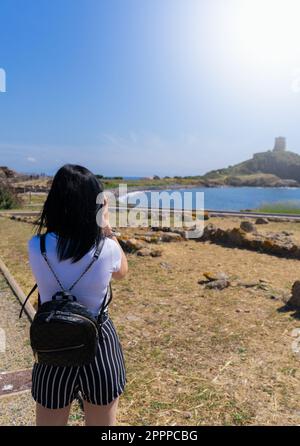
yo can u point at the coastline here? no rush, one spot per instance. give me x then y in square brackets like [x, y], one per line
[131, 189]
[178, 186]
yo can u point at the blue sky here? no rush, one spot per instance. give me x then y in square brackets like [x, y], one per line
[143, 87]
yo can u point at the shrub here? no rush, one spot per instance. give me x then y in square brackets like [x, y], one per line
[8, 197]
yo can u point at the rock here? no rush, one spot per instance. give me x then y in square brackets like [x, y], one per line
[294, 301]
[274, 243]
[149, 238]
[130, 245]
[144, 252]
[283, 236]
[247, 226]
[209, 232]
[181, 232]
[170, 237]
[262, 221]
[219, 284]
[217, 281]
[212, 277]
[165, 265]
[149, 252]
[236, 236]
[145, 238]
[156, 252]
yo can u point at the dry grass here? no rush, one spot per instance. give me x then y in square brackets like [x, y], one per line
[33, 201]
[197, 356]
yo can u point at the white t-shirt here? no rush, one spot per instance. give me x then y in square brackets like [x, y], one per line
[91, 288]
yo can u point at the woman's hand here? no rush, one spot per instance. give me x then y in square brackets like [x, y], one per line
[105, 225]
[105, 213]
[107, 232]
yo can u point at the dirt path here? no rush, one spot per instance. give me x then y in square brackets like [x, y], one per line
[15, 409]
[18, 353]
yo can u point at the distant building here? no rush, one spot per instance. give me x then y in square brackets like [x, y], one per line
[280, 144]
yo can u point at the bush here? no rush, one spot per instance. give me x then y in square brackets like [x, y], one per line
[8, 197]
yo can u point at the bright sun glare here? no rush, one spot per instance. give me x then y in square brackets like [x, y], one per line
[268, 31]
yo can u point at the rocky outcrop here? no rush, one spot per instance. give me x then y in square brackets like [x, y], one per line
[274, 243]
[265, 169]
[5, 173]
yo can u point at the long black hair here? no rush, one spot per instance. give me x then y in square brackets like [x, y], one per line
[70, 211]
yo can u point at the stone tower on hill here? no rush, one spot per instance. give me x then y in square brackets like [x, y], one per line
[280, 144]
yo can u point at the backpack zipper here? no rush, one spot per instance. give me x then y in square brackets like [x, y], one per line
[51, 314]
[61, 349]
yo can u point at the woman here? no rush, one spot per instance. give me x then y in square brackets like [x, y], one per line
[72, 235]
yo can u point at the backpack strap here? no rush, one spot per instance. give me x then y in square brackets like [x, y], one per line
[43, 252]
[106, 302]
[95, 257]
[39, 300]
[25, 301]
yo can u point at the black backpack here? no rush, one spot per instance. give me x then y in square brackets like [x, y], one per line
[64, 332]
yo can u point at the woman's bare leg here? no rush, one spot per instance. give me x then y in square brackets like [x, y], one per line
[101, 415]
[52, 417]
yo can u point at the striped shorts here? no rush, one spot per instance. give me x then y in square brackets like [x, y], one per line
[99, 382]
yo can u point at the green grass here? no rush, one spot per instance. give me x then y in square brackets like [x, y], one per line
[145, 183]
[281, 207]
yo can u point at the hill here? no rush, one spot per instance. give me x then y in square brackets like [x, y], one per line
[269, 168]
[5, 173]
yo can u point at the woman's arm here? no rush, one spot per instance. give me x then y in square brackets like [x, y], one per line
[107, 231]
[124, 264]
